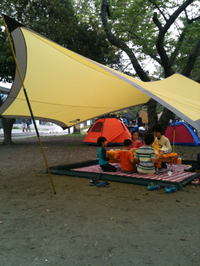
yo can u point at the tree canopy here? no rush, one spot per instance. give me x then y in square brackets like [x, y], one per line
[160, 30]
[167, 32]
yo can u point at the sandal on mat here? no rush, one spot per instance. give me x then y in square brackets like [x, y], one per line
[195, 181]
[152, 186]
[170, 189]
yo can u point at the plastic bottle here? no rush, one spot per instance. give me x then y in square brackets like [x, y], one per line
[179, 160]
[156, 145]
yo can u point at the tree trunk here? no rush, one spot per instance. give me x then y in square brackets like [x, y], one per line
[114, 40]
[7, 125]
[152, 115]
[153, 118]
[77, 129]
[164, 119]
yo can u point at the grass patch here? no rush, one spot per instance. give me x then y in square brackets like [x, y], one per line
[74, 135]
[83, 128]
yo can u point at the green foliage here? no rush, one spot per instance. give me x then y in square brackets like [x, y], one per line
[159, 108]
[132, 22]
[7, 66]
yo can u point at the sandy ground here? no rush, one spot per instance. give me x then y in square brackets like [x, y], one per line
[83, 225]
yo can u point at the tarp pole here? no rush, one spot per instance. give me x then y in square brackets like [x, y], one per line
[174, 135]
[29, 106]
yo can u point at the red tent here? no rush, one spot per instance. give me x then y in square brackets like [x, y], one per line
[114, 130]
[184, 135]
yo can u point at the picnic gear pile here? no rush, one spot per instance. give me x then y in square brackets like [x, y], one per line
[111, 154]
[195, 168]
[171, 158]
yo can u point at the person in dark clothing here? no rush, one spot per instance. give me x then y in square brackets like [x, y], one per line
[28, 122]
[103, 158]
[139, 121]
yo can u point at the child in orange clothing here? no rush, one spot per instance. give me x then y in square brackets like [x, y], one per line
[126, 157]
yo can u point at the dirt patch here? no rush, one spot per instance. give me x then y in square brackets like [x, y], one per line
[82, 225]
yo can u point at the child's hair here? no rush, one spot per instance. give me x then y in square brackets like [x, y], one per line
[127, 142]
[157, 128]
[149, 138]
[100, 140]
[141, 136]
[134, 132]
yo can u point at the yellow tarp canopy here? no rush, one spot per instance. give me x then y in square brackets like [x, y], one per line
[67, 88]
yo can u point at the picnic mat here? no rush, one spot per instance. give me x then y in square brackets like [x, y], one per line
[91, 170]
[177, 175]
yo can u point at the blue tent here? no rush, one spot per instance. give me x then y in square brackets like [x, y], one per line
[184, 134]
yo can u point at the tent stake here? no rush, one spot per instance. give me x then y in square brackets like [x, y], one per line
[29, 106]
